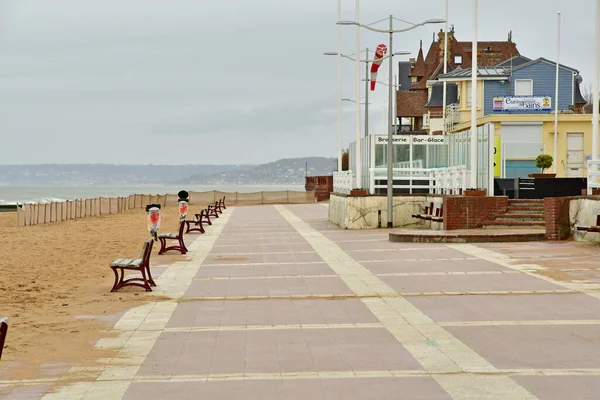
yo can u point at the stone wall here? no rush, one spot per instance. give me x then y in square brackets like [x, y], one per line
[367, 212]
[579, 211]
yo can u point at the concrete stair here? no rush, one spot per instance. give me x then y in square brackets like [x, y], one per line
[520, 214]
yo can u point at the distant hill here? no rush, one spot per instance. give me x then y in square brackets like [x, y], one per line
[104, 174]
[290, 171]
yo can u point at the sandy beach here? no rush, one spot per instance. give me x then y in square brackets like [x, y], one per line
[55, 287]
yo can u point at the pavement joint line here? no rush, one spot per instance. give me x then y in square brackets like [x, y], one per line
[269, 264]
[507, 261]
[411, 327]
[259, 253]
[521, 323]
[145, 324]
[312, 276]
[302, 375]
[273, 327]
[380, 294]
[418, 259]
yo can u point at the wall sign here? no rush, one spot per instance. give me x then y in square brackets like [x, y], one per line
[412, 139]
[522, 104]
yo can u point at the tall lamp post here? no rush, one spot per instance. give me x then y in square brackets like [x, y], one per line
[390, 171]
[367, 80]
[474, 71]
[595, 94]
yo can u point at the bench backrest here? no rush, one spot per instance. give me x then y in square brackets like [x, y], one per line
[439, 210]
[3, 331]
[429, 208]
[147, 251]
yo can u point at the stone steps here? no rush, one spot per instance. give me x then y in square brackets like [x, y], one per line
[513, 224]
[521, 217]
[525, 209]
[520, 214]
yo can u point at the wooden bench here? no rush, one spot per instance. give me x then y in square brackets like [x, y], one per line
[222, 203]
[180, 246]
[438, 214]
[203, 216]
[197, 223]
[593, 228]
[3, 332]
[141, 264]
[428, 208]
[212, 210]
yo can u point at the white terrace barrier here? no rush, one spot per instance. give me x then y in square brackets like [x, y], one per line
[592, 175]
[342, 182]
[450, 180]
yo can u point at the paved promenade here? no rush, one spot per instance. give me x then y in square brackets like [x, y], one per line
[276, 303]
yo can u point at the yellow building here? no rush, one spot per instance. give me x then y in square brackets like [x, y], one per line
[519, 145]
[518, 98]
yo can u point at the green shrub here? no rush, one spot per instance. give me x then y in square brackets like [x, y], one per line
[544, 161]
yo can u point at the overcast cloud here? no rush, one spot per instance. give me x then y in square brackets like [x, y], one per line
[237, 81]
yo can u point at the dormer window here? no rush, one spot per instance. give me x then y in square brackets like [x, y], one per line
[457, 59]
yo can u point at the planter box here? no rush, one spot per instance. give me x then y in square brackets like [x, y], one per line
[471, 192]
[358, 193]
[542, 175]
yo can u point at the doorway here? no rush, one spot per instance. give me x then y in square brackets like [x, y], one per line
[575, 157]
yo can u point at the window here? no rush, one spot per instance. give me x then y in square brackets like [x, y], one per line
[457, 59]
[523, 87]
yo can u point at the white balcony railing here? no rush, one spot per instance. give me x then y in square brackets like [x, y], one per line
[592, 175]
[452, 116]
[451, 180]
[342, 181]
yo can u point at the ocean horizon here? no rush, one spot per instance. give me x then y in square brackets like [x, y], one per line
[47, 194]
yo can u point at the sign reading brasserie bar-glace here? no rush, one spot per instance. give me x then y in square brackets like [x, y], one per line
[412, 139]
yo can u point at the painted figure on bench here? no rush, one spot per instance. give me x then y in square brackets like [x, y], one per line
[153, 212]
[183, 204]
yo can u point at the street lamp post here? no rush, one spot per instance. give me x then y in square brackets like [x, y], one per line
[390, 171]
[595, 92]
[474, 71]
[367, 80]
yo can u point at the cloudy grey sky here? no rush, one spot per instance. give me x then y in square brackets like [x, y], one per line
[237, 81]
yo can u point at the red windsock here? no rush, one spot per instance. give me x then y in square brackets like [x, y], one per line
[379, 53]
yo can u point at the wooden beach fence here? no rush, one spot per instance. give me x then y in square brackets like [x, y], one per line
[36, 213]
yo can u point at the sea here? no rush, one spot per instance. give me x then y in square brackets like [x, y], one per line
[48, 194]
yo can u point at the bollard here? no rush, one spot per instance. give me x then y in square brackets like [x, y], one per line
[183, 204]
[153, 213]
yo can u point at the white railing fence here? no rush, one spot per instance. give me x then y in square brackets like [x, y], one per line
[592, 175]
[450, 180]
[342, 181]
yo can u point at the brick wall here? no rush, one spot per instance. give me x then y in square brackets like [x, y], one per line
[322, 185]
[558, 226]
[469, 212]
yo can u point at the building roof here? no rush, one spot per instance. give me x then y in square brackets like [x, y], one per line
[514, 61]
[483, 72]
[490, 53]
[545, 60]
[411, 104]
[499, 71]
[419, 69]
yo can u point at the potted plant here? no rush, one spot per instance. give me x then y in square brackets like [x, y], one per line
[474, 192]
[543, 161]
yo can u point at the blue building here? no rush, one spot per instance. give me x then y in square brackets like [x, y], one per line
[524, 85]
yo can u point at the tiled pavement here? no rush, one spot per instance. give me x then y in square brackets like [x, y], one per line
[277, 303]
